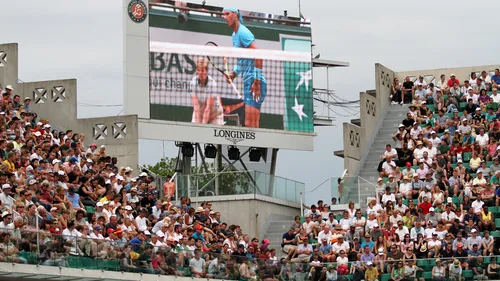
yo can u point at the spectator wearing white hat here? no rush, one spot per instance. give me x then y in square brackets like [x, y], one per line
[421, 92]
[6, 224]
[27, 102]
[87, 165]
[8, 90]
[132, 195]
[118, 184]
[5, 197]
[127, 174]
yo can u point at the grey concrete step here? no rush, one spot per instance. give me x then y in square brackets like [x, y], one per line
[369, 170]
[278, 228]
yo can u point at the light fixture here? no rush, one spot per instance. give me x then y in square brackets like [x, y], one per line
[254, 154]
[233, 153]
[187, 149]
[210, 151]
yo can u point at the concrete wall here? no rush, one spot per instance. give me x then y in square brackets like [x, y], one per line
[351, 164]
[118, 133]
[370, 112]
[433, 75]
[55, 100]
[8, 64]
[383, 81]
[249, 211]
[353, 143]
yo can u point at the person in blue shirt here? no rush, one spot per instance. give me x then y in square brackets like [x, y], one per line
[368, 242]
[74, 198]
[250, 70]
[198, 233]
[496, 78]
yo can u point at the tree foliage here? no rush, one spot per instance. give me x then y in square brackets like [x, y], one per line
[231, 181]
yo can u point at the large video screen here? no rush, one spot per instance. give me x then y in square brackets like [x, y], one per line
[226, 67]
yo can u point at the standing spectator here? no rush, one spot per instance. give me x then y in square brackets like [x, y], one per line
[408, 90]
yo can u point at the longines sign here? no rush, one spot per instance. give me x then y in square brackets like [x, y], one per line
[255, 137]
[233, 135]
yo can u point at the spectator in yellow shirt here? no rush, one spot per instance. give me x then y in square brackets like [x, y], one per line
[371, 273]
[11, 158]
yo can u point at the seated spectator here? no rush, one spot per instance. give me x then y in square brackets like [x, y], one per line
[439, 271]
[303, 252]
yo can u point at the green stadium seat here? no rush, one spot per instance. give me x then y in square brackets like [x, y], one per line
[427, 275]
[494, 209]
[473, 175]
[495, 233]
[462, 105]
[467, 274]
[113, 265]
[73, 262]
[348, 276]
[339, 217]
[466, 165]
[489, 163]
[414, 167]
[445, 98]
[431, 108]
[466, 156]
[497, 223]
[456, 200]
[186, 270]
[385, 277]
[29, 256]
[489, 93]
[423, 263]
[385, 180]
[402, 168]
[454, 165]
[88, 263]
[302, 219]
[405, 202]
[89, 209]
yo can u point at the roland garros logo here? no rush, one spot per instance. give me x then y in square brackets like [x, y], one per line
[137, 11]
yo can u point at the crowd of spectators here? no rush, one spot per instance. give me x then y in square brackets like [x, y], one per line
[62, 199]
[436, 197]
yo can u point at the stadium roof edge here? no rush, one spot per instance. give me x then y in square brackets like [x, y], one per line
[329, 63]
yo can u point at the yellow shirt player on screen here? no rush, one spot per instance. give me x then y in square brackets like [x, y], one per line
[250, 70]
[207, 108]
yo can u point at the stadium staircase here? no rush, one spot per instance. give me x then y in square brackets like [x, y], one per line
[368, 172]
[277, 226]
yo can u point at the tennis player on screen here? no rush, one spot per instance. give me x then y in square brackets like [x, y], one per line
[207, 107]
[250, 70]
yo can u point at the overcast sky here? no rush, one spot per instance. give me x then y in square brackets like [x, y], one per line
[83, 39]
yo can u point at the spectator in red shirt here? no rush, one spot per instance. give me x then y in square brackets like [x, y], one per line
[425, 206]
[452, 80]
[455, 149]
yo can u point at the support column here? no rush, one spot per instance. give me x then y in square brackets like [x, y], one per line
[272, 171]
